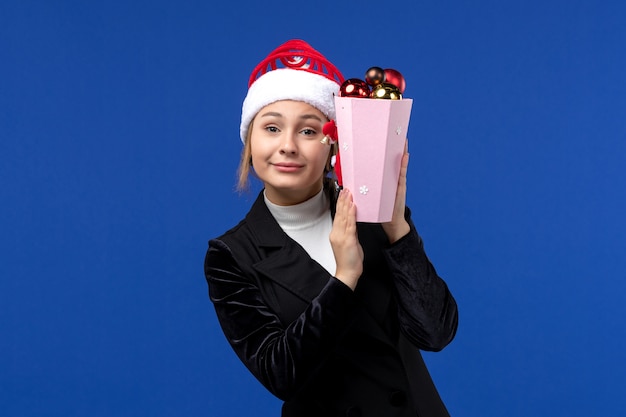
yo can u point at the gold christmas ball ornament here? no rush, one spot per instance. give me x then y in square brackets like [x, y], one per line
[386, 91]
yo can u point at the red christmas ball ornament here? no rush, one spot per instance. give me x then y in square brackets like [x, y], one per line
[374, 76]
[354, 87]
[386, 91]
[394, 77]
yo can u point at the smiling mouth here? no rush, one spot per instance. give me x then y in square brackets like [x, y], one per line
[286, 167]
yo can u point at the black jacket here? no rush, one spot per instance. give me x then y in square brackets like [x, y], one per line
[313, 342]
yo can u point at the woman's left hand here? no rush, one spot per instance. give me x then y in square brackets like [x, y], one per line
[398, 226]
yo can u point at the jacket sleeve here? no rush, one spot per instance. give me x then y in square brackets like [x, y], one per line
[281, 358]
[427, 310]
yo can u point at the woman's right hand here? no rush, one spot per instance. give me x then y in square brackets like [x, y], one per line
[345, 242]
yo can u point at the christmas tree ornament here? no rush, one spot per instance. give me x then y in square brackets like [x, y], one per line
[394, 77]
[387, 91]
[374, 76]
[354, 87]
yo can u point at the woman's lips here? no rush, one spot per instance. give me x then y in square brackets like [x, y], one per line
[287, 167]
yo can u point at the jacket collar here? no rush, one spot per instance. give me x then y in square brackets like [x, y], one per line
[265, 228]
[282, 253]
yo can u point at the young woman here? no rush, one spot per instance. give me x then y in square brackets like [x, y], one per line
[328, 314]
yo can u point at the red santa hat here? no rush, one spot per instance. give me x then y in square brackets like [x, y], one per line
[293, 71]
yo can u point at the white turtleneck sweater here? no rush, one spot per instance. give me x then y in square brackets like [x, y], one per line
[309, 224]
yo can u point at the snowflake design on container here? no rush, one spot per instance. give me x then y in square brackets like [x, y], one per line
[398, 130]
[363, 189]
[345, 146]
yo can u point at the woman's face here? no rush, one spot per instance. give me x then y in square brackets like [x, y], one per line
[287, 154]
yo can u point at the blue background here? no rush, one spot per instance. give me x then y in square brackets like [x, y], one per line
[118, 151]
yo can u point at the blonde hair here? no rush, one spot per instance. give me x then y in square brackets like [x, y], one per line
[245, 163]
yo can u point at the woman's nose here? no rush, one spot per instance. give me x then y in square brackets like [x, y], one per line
[288, 145]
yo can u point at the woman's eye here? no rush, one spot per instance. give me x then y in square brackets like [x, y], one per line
[308, 132]
[272, 129]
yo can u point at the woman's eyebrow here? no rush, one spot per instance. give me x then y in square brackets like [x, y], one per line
[310, 116]
[271, 114]
[303, 117]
